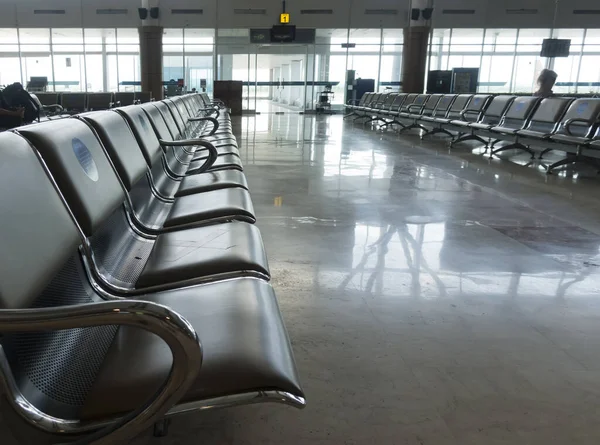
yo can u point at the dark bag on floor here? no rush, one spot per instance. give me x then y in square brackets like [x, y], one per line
[15, 96]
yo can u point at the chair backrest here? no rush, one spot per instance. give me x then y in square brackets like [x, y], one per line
[48, 98]
[140, 124]
[375, 100]
[389, 100]
[38, 234]
[519, 112]
[586, 115]
[81, 169]
[366, 99]
[143, 96]
[474, 109]
[408, 101]
[496, 109]
[125, 98]
[120, 144]
[382, 98]
[54, 370]
[398, 101]
[431, 104]
[418, 103]
[443, 105]
[548, 114]
[459, 104]
[74, 101]
[162, 121]
[99, 101]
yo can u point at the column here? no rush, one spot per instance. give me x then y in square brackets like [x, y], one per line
[151, 60]
[414, 59]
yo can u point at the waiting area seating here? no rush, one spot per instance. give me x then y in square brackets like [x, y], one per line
[134, 284]
[74, 103]
[570, 125]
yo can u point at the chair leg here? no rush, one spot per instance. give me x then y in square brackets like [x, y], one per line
[495, 142]
[573, 159]
[349, 115]
[161, 428]
[469, 137]
[438, 130]
[413, 126]
[547, 150]
[514, 145]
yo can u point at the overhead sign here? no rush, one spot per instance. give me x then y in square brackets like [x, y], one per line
[284, 18]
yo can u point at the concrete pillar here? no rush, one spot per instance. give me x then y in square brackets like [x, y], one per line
[416, 40]
[151, 60]
[414, 59]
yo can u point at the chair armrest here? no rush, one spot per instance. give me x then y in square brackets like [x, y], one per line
[411, 106]
[212, 151]
[214, 121]
[210, 111]
[463, 114]
[570, 122]
[160, 320]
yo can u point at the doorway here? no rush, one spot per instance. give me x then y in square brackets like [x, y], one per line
[280, 79]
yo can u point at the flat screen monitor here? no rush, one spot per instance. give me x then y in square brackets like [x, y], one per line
[556, 48]
[283, 34]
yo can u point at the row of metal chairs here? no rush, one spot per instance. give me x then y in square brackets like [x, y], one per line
[73, 103]
[557, 123]
[133, 283]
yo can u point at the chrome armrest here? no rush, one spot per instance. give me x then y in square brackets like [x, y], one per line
[160, 320]
[212, 151]
[570, 122]
[214, 121]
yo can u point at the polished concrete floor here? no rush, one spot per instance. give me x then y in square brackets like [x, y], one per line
[432, 298]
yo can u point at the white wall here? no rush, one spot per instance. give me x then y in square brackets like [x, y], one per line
[346, 13]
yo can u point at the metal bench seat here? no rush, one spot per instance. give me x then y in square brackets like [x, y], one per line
[154, 213]
[124, 258]
[80, 364]
[169, 184]
[151, 130]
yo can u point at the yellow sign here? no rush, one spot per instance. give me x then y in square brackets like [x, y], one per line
[284, 18]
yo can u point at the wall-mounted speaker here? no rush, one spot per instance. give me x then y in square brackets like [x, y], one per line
[427, 13]
[415, 14]
[143, 12]
[154, 12]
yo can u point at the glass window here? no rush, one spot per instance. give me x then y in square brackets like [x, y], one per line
[112, 81]
[129, 72]
[67, 39]
[495, 74]
[37, 66]
[128, 40]
[34, 39]
[527, 69]
[198, 68]
[11, 70]
[466, 41]
[500, 40]
[9, 40]
[199, 40]
[173, 40]
[69, 72]
[94, 73]
[568, 67]
[530, 40]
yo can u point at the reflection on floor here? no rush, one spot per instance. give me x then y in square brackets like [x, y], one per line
[431, 298]
[270, 106]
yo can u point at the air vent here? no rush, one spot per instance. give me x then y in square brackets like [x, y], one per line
[586, 11]
[49, 11]
[111, 11]
[458, 11]
[250, 11]
[316, 11]
[522, 11]
[381, 11]
[187, 11]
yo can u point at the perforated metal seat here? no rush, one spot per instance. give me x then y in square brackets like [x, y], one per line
[125, 261]
[73, 363]
[160, 213]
